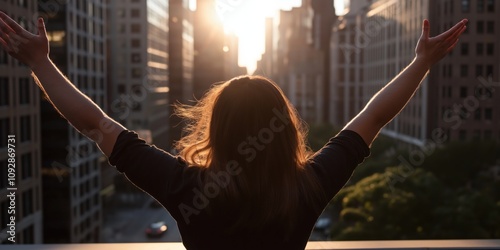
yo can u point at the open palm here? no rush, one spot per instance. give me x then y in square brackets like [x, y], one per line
[21, 44]
[433, 49]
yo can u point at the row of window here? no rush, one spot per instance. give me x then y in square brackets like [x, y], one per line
[481, 6]
[481, 48]
[24, 87]
[479, 70]
[464, 135]
[134, 13]
[24, 134]
[478, 92]
[478, 114]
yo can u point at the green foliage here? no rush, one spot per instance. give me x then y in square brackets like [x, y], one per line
[319, 134]
[450, 194]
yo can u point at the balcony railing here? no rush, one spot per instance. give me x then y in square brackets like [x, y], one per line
[312, 245]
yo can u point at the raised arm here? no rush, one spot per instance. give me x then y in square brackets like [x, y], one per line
[392, 98]
[73, 105]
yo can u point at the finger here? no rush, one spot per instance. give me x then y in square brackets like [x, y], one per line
[5, 46]
[455, 35]
[41, 27]
[12, 24]
[426, 29]
[5, 28]
[452, 30]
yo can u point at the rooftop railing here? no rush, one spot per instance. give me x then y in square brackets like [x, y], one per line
[312, 245]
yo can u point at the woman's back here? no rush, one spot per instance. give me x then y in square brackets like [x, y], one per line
[183, 191]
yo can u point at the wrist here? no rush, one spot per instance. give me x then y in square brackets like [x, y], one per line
[423, 62]
[39, 63]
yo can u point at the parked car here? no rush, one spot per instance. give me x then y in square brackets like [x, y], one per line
[156, 229]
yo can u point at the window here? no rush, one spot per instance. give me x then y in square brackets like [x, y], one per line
[3, 57]
[488, 114]
[27, 198]
[26, 166]
[4, 91]
[4, 218]
[4, 131]
[477, 114]
[480, 6]
[490, 6]
[25, 128]
[489, 70]
[479, 49]
[3, 174]
[465, 6]
[464, 70]
[463, 92]
[479, 70]
[136, 43]
[490, 49]
[121, 88]
[136, 73]
[135, 13]
[24, 90]
[135, 28]
[490, 27]
[464, 49]
[136, 57]
[480, 27]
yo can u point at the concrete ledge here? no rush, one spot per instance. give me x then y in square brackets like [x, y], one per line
[312, 245]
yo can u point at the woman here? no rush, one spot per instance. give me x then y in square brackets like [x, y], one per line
[244, 178]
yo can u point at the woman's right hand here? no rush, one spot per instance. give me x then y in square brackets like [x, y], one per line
[30, 49]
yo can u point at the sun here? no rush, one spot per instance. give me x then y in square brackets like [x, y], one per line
[246, 19]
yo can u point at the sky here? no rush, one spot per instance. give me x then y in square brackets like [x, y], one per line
[246, 19]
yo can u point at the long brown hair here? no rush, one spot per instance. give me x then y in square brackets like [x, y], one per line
[249, 122]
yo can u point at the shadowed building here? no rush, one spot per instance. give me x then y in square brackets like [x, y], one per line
[181, 56]
[20, 117]
[208, 47]
[70, 162]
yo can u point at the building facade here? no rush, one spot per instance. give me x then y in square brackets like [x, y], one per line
[460, 95]
[181, 62]
[138, 67]
[70, 162]
[208, 48]
[20, 121]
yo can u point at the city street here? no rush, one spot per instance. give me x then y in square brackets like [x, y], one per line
[128, 223]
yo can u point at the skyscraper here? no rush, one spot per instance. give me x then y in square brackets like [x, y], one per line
[70, 162]
[457, 98]
[208, 47]
[181, 61]
[20, 121]
[138, 67]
